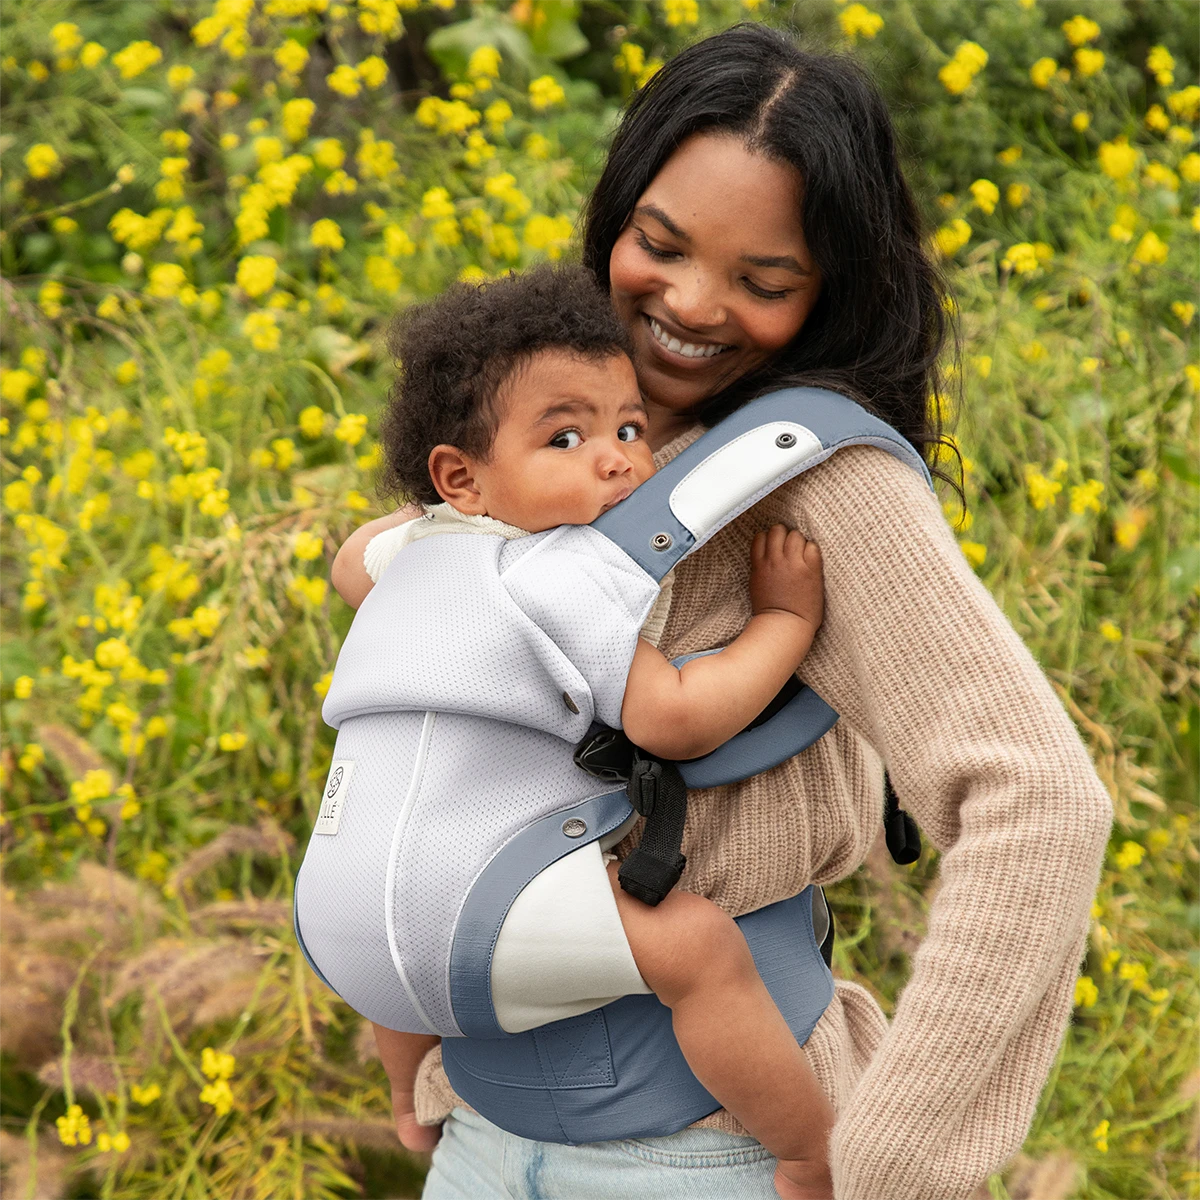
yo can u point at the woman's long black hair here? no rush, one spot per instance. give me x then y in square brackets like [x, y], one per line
[879, 327]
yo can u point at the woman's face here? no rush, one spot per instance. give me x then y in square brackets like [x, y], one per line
[712, 274]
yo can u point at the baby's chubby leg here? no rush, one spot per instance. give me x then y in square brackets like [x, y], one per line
[734, 1038]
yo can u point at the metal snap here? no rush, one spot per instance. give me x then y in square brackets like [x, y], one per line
[785, 441]
[661, 541]
[574, 827]
[570, 703]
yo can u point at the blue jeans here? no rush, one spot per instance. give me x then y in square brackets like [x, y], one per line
[476, 1160]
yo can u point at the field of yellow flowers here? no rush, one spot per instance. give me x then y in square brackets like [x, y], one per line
[208, 211]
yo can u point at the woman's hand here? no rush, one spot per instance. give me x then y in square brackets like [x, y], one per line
[786, 576]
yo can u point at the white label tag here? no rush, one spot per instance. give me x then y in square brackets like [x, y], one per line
[334, 799]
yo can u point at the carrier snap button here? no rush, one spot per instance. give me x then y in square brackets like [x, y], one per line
[573, 827]
[570, 703]
[785, 441]
[661, 541]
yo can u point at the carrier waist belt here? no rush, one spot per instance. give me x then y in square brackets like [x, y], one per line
[618, 1072]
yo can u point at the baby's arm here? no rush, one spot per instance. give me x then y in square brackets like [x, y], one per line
[401, 1054]
[348, 575]
[684, 713]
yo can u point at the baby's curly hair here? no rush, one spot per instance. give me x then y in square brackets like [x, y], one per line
[455, 353]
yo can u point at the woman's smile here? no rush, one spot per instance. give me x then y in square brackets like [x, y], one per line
[677, 347]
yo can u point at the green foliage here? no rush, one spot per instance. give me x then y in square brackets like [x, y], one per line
[196, 269]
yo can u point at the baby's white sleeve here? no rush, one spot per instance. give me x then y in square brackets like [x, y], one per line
[383, 547]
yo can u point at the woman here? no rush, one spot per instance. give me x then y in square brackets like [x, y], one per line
[754, 229]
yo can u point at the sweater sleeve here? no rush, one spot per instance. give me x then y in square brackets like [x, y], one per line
[917, 656]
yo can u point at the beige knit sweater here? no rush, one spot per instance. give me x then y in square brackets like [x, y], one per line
[928, 676]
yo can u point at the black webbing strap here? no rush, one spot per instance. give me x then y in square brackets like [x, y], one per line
[899, 829]
[656, 790]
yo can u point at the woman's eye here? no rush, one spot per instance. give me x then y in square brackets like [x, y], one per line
[568, 439]
[764, 293]
[629, 432]
[653, 251]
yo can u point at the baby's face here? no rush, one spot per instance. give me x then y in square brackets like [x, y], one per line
[571, 442]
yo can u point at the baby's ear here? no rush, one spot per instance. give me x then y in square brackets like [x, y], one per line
[453, 474]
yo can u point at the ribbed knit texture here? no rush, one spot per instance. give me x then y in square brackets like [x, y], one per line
[930, 677]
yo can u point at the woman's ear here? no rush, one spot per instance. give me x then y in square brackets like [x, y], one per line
[453, 474]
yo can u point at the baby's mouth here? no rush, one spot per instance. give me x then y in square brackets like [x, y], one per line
[685, 349]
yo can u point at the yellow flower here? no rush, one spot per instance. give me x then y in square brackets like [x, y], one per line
[219, 1096]
[496, 114]
[165, 280]
[545, 92]
[951, 238]
[547, 233]
[1080, 121]
[1156, 119]
[326, 233]
[1129, 855]
[296, 116]
[217, 1064]
[969, 59]
[136, 58]
[1043, 71]
[1159, 175]
[256, 274]
[1021, 257]
[373, 71]
[382, 273]
[291, 57]
[321, 687]
[396, 242]
[92, 55]
[66, 37]
[1080, 30]
[681, 12]
[1009, 156]
[178, 77]
[1151, 249]
[229, 741]
[1118, 158]
[23, 687]
[308, 546]
[1185, 104]
[436, 203]
[1161, 65]
[974, 552]
[312, 422]
[329, 153]
[32, 756]
[1087, 496]
[15, 384]
[484, 65]
[1189, 168]
[1110, 632]
[1017, 194]
[351, 428]
[344, 80]
[858, 19]
[308, 592]
[1089, 62]
[1100, 1137]
[262, 330]
[74, 1128]
[42, 161]
[1086, 992]
[1089, 366]
[985, 194]
[1184, 310]
[1042, 490]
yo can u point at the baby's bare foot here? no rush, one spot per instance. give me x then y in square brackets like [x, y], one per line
[803, 1179]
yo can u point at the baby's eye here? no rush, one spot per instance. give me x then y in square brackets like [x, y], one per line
[629, 432]
[567, 439]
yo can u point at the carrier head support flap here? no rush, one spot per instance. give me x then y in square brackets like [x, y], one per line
[471, 672]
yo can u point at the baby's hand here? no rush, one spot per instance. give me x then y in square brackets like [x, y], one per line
[785, 575]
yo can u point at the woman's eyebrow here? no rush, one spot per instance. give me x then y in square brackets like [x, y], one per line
[652, 210]
[786, 261]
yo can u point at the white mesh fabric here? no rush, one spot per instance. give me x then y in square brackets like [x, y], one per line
[591, 598]
[439, 632]
[342, 883]
[483, 782]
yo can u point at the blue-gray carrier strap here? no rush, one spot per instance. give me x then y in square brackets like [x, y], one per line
[746, 457]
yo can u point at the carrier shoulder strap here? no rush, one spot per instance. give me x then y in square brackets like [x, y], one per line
[753, 451]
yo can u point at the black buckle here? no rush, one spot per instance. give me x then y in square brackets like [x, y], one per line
[606, 754]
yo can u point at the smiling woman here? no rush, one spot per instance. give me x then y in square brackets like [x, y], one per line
[708, 301]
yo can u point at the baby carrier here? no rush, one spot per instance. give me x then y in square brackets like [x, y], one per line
[477, 699]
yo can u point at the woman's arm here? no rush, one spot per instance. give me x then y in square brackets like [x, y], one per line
[916, 656]
[348, 575]
[686, 712]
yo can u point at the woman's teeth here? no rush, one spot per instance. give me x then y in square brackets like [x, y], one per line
[687, 349]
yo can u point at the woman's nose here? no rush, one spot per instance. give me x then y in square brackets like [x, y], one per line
[693, 299]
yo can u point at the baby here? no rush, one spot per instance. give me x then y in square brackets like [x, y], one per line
[518, 410]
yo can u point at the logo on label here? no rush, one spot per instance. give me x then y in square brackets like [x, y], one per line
[334, 799]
